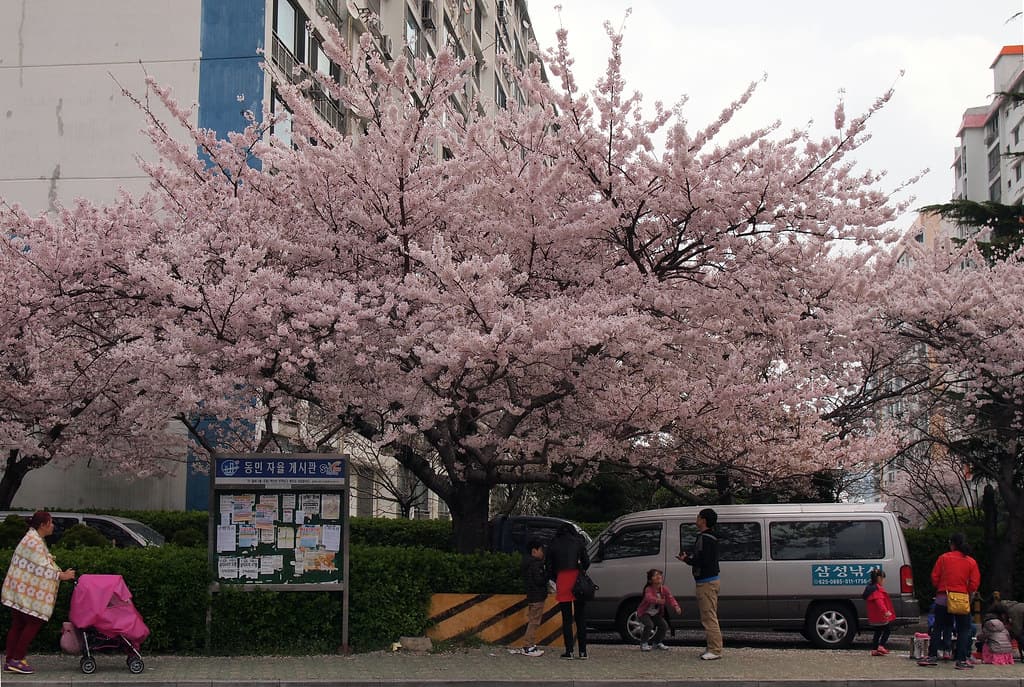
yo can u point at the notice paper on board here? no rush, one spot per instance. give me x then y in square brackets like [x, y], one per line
[225, 538]
[331, 537]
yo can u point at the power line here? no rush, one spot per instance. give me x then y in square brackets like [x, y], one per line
[122, 62]
[63, 178]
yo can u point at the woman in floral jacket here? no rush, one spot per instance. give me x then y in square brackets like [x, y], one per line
[30, 590]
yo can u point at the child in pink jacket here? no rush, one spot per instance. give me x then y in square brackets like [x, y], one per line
[651, 610]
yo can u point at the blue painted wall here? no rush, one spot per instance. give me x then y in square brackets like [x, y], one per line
[230, 82]
[230, 78]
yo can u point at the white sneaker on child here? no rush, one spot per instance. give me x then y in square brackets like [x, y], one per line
[645, 647]
[662, 646]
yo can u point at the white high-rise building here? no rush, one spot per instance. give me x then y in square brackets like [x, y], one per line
[67, 129]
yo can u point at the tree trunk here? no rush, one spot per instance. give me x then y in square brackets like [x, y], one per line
[469, 508]
[990, 516]
[14, 475]
[1004, 556]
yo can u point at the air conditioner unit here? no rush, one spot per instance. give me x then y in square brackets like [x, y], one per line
[386, 47]
[428, 15]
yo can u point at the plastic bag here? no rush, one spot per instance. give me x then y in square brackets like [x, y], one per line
[70, 641]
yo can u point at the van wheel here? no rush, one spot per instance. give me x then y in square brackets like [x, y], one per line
[831, 626]
[629, 626]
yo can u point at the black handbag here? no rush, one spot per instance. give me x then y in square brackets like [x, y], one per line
[584, 588]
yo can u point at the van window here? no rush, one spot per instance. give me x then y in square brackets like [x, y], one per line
[737, 541]
[840, 539]
[632, 542]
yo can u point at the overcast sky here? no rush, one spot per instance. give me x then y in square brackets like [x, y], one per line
[809, 50]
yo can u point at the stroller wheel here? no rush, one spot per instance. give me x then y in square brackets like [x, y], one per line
[135, 665]
[88, 665]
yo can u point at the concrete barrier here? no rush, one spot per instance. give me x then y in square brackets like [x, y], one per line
[492, 618]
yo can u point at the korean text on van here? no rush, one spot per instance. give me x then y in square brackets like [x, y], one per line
[798, 567]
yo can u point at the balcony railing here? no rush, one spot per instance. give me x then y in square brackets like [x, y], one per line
[326, 108]
[284, 59]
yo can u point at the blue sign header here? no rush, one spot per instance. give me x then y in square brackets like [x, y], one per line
[282, 470]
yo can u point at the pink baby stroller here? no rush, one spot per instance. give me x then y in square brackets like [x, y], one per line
[105, 619]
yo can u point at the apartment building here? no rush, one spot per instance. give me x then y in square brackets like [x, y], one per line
[69, 129]
[987, 161]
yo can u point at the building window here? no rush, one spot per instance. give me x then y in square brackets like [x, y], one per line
[499, 95]
[412, 33]
[289, 25]
[283, 128]
[992, 130]
[993, 161]
[995, 193]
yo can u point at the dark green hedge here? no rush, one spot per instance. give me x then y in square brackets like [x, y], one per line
[390, 593]
[929, 543]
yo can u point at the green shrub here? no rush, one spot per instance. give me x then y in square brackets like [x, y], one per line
[927, 544]
[390, 590]
[189, 537]
[81, 536]
[954, 516]
[12, 529]
[593, 528]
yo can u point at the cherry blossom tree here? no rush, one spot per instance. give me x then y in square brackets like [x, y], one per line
[496, 298]
[71, 387]
[962, 312]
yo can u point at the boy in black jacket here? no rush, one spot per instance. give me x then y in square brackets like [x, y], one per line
[704, 559]
[535, 577]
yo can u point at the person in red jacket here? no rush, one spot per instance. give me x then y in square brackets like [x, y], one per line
[880, 611]
[954, 571]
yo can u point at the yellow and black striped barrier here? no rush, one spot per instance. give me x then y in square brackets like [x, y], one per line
[492, 618]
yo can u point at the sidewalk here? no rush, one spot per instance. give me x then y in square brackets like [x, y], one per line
[488, 666]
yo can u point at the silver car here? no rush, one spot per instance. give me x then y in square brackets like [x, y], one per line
[122, 532]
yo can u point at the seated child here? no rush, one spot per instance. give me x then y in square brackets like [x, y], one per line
[996, 646]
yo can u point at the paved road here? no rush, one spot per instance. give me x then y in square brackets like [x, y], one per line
[494, 666]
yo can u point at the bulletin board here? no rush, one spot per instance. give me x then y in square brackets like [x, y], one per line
[279, 522]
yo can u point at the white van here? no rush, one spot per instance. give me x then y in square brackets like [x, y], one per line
[783, 567]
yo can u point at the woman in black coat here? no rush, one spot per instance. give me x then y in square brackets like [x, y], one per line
[567, 556]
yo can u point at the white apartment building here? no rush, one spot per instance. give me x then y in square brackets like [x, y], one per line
[67, 130]
[987, 162]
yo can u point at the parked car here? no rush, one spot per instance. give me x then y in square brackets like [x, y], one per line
[784, 567]
[122, 532]
[511, 533]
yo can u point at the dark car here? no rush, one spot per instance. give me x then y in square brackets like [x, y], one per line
[510, 533]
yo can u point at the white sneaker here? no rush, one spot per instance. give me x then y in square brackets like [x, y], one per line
[532, 651]
[708, 656]
[662, 646]
[645, 647]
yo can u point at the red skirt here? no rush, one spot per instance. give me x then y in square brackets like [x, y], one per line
[564, 583]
